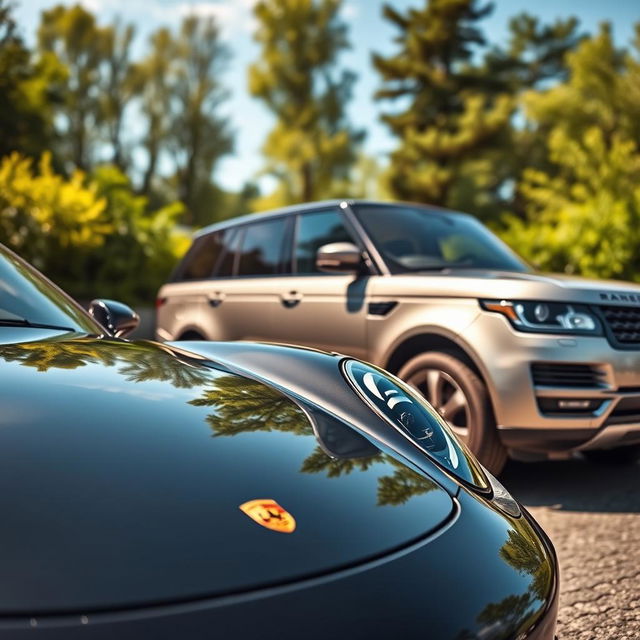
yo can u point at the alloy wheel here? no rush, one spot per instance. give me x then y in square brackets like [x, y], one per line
[446, 396]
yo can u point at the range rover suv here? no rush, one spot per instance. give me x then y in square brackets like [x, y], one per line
[516, 361]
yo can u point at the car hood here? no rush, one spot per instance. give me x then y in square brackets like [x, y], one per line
[124, 467]
[478, 283]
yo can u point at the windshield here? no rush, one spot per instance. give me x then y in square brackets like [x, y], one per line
[28, 298]
[421, 239]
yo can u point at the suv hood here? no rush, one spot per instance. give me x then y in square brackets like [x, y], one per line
[510, 284]
[124, 467]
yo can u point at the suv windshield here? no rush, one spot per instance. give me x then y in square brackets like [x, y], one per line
[27, 298]
[421, 239]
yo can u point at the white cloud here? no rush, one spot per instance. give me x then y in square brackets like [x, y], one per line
[350, 11]
[232, 16]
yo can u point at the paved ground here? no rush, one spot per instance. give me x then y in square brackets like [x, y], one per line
[592, 514]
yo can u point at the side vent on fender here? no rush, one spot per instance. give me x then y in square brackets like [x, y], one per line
[381, 308]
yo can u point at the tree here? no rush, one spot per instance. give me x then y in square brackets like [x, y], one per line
[84, 234]
[117, 89]
[200, 136]
[180, 91]
[26, 98]
[44, 216]
[72, 35]
[150, 82]
[533, 58]
[583, 211]
[535, 53]
[312, 146]
[460, 144]
[450, 117]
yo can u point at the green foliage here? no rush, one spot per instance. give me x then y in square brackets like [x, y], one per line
[450, 117]
[143, 247]
[26, 98]
[584, 218]
[583, 211]
[199, 136]
[91, 237]
[44, 216]
[179, 88]
[458, 145]
[73, 37]
[312, 146]
[244, 406]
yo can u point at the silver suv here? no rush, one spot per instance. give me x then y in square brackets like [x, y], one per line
[516, 361]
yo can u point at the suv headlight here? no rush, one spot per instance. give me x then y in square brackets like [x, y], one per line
[547, 317]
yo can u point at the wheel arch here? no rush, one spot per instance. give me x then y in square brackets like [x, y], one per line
[438, 339]
[191, 333]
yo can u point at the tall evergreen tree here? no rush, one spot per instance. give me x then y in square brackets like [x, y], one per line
[448, 116]
[312, 146]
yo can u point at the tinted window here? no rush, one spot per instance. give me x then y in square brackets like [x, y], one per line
[314, 230]
[261, 251]
[229, 249]
[421, 239]
[202, 257]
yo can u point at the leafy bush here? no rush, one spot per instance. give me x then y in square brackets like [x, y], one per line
[586, 217]
[94, 237]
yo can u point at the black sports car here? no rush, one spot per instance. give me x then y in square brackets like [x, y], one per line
[237, 490]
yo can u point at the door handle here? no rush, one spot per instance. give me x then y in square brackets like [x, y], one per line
[291, 299]
[216, 299]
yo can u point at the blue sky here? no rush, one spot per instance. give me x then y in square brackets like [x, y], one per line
[369, 32]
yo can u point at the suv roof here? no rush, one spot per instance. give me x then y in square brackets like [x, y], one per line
[310, 206]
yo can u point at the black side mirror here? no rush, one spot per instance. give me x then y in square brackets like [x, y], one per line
[339, 257]
[117, 318]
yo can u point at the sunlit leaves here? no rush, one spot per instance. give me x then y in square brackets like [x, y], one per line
[583, 213]
[312, 147]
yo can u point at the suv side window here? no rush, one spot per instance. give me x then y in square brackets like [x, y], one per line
[261, 250]
[201, 259]
[229, 250]
[314, 230]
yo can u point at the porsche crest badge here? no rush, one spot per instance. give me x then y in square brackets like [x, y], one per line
[269, 514]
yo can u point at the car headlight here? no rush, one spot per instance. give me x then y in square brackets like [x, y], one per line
[408, 412]
[547, 317]
[502, 498]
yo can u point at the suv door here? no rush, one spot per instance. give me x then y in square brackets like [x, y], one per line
[322, 310]
[245, 293]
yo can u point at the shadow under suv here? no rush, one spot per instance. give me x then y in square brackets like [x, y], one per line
[514, 360]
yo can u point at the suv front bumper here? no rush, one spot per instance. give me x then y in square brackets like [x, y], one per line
[554, 392]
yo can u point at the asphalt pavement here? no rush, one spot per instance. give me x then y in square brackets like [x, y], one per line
[592, 514]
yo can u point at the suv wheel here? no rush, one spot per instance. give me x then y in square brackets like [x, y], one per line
[461, 398]
[619, 455]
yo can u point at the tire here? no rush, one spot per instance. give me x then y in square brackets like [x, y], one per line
[461, 398]
[619, 455]
[190, 335]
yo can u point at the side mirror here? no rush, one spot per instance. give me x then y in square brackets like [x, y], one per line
[117, 318]
[339, 257]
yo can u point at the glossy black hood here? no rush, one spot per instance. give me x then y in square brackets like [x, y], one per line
[124, 467]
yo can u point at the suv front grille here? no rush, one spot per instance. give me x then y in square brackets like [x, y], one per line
[623, 324]
[551, 374]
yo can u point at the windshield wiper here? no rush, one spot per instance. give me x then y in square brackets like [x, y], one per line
[16, 321]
